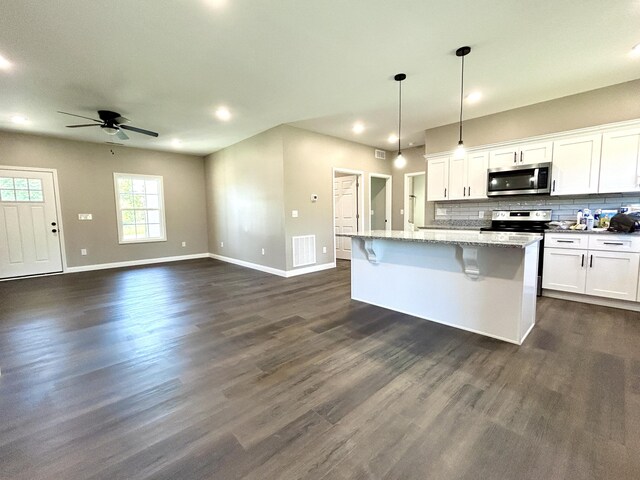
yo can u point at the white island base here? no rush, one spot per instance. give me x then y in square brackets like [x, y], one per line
[489, 290]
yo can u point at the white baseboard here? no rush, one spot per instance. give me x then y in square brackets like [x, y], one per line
[274, 271]
[579, 297]
[133, 263]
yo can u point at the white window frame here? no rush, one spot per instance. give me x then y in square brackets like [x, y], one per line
[163, 223]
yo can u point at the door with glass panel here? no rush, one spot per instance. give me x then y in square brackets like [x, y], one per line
[29, 230]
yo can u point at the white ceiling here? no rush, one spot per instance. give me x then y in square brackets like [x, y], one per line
[321, 65]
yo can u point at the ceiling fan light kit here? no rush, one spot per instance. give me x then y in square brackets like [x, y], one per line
[461, 52]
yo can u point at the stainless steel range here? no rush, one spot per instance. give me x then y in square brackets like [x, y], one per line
[522, 221]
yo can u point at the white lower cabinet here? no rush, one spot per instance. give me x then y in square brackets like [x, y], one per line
[606, 269]
[564, 269]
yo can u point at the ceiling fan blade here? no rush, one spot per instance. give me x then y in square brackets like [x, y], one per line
[85, 125]
[121, 135]
[80, 116]
[121, 120]
[139, 130]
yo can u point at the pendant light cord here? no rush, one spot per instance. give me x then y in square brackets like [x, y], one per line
[399, 113]
[461, 96]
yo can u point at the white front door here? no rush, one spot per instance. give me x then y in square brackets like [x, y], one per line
[29, 238]
[345, 191]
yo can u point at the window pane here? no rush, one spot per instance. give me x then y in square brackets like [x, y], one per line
[139, 201]
[141, 216]
[8, 195]
[36, 196]
[21, 183]
[126, 201]
[35, 184]
[154, 230]
[138, 186]
[141, 231]
[153, 216]
[128, 217]
[6, 182]
[152, 186]
[152, 201]
[124, 185]
[22, 195]
[129, 232]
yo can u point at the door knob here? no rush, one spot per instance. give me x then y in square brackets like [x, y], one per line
[54, 231]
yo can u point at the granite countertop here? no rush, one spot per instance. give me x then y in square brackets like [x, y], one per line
[451, 227]
[455, 237]
[589, 232]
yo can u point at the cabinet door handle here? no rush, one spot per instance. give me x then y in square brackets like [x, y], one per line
[582, 262]
[515, 157]
[591, 261]
[445, 193]
[564, 241]
[553, 189]
[613, 243]
[464, 191]
[521, 156]
[469, 191]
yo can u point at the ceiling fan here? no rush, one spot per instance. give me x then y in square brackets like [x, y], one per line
[112, 123]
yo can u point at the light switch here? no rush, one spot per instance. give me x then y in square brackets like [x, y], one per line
[85, 216]
[402, 211]
[83, 251]
[294, 213]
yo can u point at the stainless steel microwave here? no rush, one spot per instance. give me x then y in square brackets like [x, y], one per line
[519, 180]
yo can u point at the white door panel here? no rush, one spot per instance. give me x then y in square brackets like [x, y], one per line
[346, 216]
[29, 238]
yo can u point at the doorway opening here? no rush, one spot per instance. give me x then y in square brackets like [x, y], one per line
[348, 203]
[414, 200]
[380, 201]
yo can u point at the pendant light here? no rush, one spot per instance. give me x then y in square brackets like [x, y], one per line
[400, 161]
[461, 52]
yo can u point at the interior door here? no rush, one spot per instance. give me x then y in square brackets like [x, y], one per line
[346, 217]
[378, 203]
[29, 231]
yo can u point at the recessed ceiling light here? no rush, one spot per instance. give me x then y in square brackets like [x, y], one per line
[176, 143]
[393, 138]
[358, 127]
[223, 113]
[19, 119]
[4, 63]
[216, 3]
[635, 51]
[473, 97]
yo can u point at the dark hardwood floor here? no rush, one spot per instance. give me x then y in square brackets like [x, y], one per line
[202, 369]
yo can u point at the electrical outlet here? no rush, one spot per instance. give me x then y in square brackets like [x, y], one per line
[85, 216]
[481, 214]
[324, 249]
[83, 251]
[263, 251]
[441, 211]
[294, 213]
[184, 244]
[221, 244]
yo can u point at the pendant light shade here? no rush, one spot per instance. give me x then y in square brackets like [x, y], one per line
[461, 52]
[400, 161]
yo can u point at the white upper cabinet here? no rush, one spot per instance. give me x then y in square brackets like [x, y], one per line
[576, 165]
[458, 178]
[438, 178]
[477, 165]
[521, 154]
[619, 162]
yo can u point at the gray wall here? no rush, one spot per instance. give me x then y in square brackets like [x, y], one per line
[596, 107]
[378, 203]
[309, 159]
[245, 200]
[415, 163]
[85, 177]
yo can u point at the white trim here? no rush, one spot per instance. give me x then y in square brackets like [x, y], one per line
[582, 298]
[546, 137]
[134, 263]
[389, 198]
[405, 201]
[163, 220]
[360, 174]
[56, 196]
[271, 270]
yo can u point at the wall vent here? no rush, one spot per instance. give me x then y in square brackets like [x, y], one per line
[304, 250]
[381, 154]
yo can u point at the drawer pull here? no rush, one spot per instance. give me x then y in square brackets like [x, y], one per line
[567, 241]
[613, 243]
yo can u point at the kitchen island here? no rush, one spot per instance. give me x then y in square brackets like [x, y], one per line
[481, 282]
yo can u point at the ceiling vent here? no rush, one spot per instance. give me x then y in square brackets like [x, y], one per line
[381, 154]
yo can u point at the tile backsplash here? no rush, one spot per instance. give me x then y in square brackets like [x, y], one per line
[564, 207]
